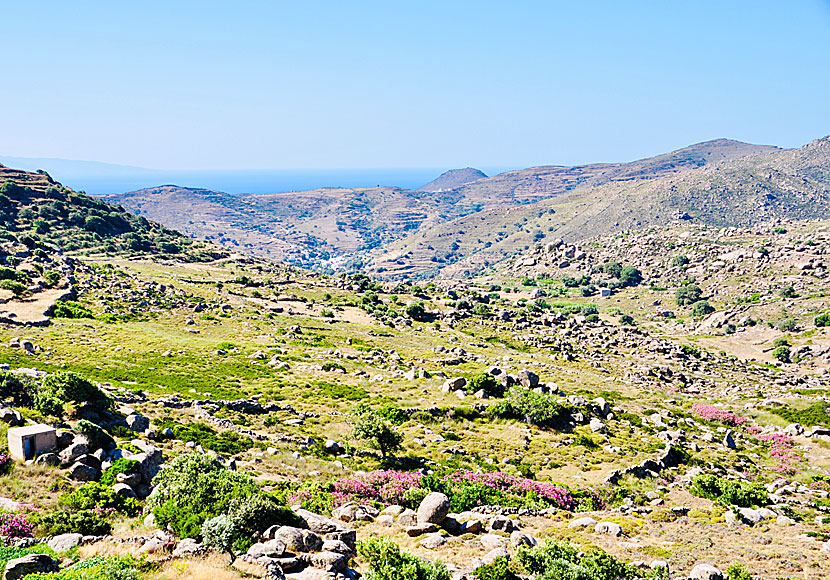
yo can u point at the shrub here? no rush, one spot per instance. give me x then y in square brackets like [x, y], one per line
[116, 467]
[815, 414]
[679, 261]
[702, 308]
[498, 570]
[487, 383]
[15, 287]
[12, 387]
[254, 514]
[822, 320]
[782, 353]
[531, 407]
[788, 292]
[386, 561]
[220, 532]
[15, 525]
[630, 276]
[553, 560]
[738, 572]
[370, 426]
[729, 492]
[712, 413]
[416, 311]
[94, 495]
[68, 309]
[330, 366]
[688, 294]
[193, 488]
[68, 387]
[394, 415]
[627, 320]
[787, 325]
[98, 438]
[86, 522]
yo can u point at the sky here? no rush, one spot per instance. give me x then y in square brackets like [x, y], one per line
[333, 84]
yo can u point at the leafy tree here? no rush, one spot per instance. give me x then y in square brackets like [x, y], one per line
[193, 488]
[688, 294]
[370, 426]
[782, 353]
[630, 276]
[220, 532]
[416, 311]
[612, 268]
[12, 387]
[702, 308]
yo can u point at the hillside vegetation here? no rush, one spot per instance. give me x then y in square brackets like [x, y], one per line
[39, 212]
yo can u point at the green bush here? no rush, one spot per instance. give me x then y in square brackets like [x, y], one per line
[786, 324]
[487, 383]
[69, 309]
[815, 414]
[729, 492]
[116, 467]
[416, 311]
[220, 532]
[822, 320]
[553, 560]
[66, 387]
[782, 353]
[21, 392]
[16, 287]
[679, 261]
[97, 437]
[370, 426]
[193, 488]
[386, 561]
[86, 522]
[94, 495]
[394, 415]
[630, 276]
[738, 572]
[256, 513]
[688, 294]
[533, 408]
[702, 308]
[498, 570]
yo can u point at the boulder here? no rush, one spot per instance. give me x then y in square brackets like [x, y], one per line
[610, 528]
[188, 547]
[433, 541]
[73, 452]
[434, 508]
[705, 572]
[65, 542]
[29, 564]
[124, 490]
[492, 541]
[585, 522]
[51, 459]
[292, 538]
[10, 416]
[420, 530]
[528, 379]
[82, 472]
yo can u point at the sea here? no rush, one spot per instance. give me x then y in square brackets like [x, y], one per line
[101, 178]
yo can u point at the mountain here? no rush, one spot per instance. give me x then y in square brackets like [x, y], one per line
[305, 228]
[37, 210]
[452, 179]
[721, 183]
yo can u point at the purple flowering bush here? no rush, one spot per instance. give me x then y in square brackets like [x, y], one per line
[783, 452]
[15, 525]
[466, 490]
[712, 413]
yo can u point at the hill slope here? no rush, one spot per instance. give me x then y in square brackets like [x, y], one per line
[764, 185]
[37, 210]
[333, 226]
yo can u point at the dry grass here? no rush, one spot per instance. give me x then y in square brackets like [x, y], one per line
[29, 484]
[213, 567]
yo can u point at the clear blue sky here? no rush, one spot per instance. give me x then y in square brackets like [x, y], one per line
[353, 84]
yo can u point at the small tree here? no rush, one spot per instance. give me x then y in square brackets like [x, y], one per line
[487, 383]
[630, 276]
[220, 532]
[688, 294]
[369, 426]
[782, 353]
[701, 308]
[416, 311]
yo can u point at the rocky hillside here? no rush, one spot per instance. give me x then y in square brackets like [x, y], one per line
[306, 228]
[452, 179]
[40, 213]
[333, 227]
[748, 188]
